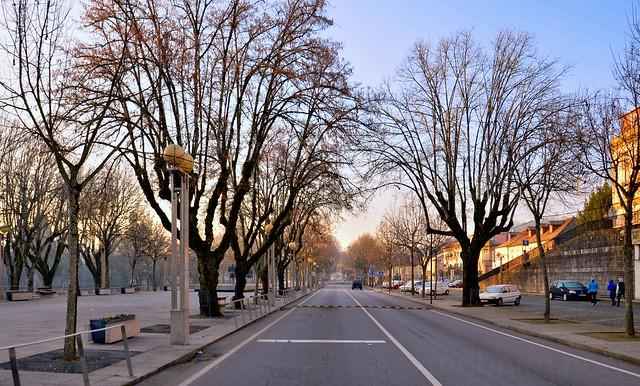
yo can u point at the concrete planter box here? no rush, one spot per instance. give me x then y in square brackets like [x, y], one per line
[127, 290]
[103, 291]
[19, 295]
[131, 326]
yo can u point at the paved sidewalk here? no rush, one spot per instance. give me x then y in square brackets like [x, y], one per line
[588, 336]
[22, 322]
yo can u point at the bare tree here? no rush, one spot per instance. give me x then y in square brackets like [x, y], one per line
[216, 78]
[608, 140]
[109, 201]
[386, 236]
[46, 93]
[453, 132]
[547, 171]
[409, 225]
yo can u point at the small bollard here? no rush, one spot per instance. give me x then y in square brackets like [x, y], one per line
[14, 366]
[83, 361]
[126, 349]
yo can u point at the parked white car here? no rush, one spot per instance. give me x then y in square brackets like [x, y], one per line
[441, 288]
[406, 287]
[500, 294]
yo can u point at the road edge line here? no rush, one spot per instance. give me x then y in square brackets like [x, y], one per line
[550, 338]
[575, 356]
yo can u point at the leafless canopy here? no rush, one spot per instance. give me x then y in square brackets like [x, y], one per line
[453, 129]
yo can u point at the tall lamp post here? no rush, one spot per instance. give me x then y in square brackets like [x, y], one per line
[292, 248]
[4, 229]
[271, 267]
[181, 164]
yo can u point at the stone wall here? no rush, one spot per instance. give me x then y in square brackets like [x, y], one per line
[595, 254]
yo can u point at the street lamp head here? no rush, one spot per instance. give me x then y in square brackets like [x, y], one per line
[176, 156]
[4, 229]
[293, 245]
[268, 228]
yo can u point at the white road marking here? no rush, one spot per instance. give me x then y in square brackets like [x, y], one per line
[319, 341]
[215, 363]
[400, 347]
[542, 345]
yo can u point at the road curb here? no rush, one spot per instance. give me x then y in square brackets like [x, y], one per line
[550, 338]
[191, 354]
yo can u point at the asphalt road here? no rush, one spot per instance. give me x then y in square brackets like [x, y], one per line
[581, 311]
[338, 337]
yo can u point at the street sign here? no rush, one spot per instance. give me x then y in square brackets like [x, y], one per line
[525, 243]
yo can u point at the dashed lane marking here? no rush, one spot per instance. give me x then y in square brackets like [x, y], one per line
[362, 306]
[320, 341]
[433, 380]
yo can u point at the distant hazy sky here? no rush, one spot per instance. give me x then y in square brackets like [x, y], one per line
[377, 35]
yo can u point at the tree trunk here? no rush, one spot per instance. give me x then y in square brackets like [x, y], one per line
[424, 277]
[72, 287]
[629, 279]
[545, 273]
[30, 278]
[471, 287]
[208, 276]
[264, 279]
[153, 278]
[280, 270]
[241, 283]
[412, 279]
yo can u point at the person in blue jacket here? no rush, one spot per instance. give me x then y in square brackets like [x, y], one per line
[592, 291]
[612, 292]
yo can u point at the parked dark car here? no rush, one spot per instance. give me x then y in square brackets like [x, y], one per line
[567, 289]
[356, 284]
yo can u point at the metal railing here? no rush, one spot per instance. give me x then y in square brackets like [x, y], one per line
[83, 363]
[250, 308]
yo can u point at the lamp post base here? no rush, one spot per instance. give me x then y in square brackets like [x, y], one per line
[179, 327]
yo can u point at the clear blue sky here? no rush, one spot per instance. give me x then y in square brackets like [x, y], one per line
[377, 35]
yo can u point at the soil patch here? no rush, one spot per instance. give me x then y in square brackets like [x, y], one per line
[166, 329]
[52, 362]
[541, 321]
[611, 336]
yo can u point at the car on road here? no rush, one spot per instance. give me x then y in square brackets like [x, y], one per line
[500, 294]
[456, 284]
[441, 288]
[356, 284]
[567, 290]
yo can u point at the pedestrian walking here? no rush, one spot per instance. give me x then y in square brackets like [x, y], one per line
[592, 291]
[620, 290]
[612, 291]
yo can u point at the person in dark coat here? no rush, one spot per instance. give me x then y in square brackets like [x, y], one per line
[620, 290]
[612, 292]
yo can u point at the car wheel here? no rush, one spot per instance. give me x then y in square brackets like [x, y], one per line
[565, 297]
[551, 296]
[446, 292]
[500, 302]
[517, 301]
